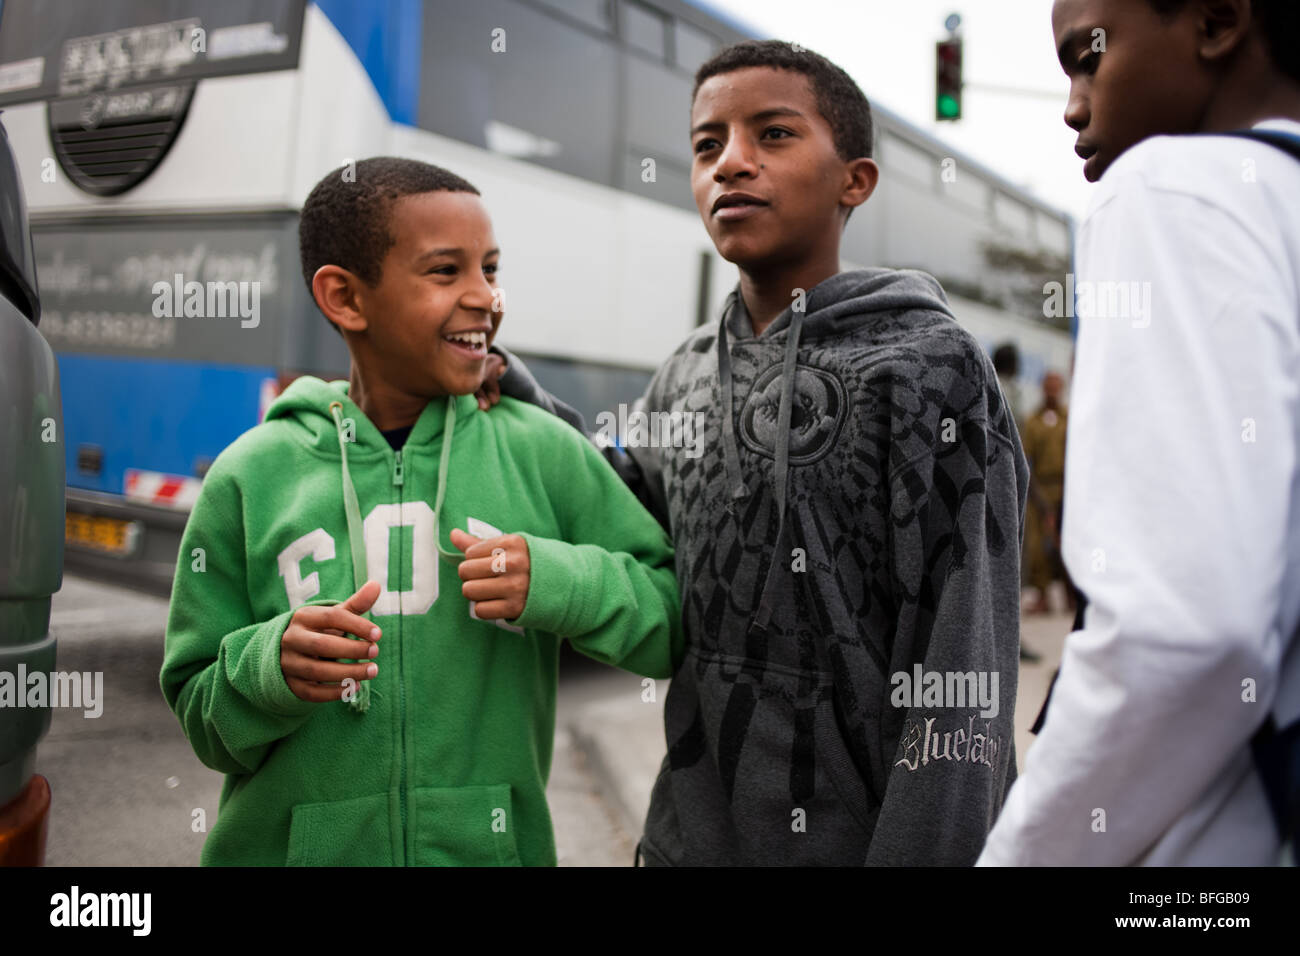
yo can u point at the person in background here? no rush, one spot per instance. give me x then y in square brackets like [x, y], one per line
[1006, 363]
[1043, 436]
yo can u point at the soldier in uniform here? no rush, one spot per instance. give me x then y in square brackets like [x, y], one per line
[1044, 443]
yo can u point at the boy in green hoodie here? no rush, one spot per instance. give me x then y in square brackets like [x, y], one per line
[437, 750]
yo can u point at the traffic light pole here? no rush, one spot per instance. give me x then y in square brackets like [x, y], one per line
[1014, 91]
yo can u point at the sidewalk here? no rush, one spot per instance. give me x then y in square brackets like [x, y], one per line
[621, 738]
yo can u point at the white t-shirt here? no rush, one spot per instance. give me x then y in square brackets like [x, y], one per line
[1182, 516]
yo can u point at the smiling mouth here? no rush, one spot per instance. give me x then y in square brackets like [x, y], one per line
[473, 343]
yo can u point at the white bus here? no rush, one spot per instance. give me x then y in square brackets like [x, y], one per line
[163, 138]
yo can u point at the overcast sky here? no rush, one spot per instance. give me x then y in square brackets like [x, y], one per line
[888, 47]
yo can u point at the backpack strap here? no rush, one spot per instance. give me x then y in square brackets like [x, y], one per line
[1286, 142]
[1277, 749]
[1277, 757]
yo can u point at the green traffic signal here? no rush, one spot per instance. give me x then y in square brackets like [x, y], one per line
[948, 79]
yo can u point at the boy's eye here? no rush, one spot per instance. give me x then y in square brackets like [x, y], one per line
[776, 129]
[491, 268]
[442, 270]
[703, 144]
[1089, 63]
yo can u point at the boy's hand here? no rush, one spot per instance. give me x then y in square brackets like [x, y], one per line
[489, 393]
[314, 641]
[495, 572]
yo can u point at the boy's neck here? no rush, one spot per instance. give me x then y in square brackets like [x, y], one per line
[767, 294]
[387, 407]
[1250, 98]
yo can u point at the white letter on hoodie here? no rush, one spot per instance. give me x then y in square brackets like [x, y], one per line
[424, 561]
[320, 546]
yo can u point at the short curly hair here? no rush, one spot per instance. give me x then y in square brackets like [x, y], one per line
[345, 220]
[841, 102]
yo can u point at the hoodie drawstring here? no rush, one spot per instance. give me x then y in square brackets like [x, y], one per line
[735, 480]
[448, 426]
[360, 701]
[765, 601]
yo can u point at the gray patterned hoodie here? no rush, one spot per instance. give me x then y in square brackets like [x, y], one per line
[846, 496]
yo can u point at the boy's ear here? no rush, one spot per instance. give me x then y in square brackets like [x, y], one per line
[335, 290]
[863, 175]
[1224, 25]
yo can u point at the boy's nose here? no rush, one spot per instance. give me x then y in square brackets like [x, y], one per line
[1076, 111]
[737, 157]
[480, 295]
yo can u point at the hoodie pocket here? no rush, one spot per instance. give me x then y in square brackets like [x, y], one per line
[342, 833]
[837, 763]
[760, 773]
[465, 826]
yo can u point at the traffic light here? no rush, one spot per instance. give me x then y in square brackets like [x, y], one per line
[947, 98]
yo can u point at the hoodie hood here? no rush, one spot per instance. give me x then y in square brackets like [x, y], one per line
[306, 404]
[834, 307]
[845, 301]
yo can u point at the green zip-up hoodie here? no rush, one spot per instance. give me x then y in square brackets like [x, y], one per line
[444, 757]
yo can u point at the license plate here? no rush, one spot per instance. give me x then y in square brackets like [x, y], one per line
[99, 533]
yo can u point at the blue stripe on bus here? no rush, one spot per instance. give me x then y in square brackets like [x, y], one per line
[386, 37]
[153, 415]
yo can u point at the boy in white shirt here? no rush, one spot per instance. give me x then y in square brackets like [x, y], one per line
[1179, 696]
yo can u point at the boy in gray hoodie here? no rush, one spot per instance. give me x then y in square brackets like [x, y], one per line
[847, 524]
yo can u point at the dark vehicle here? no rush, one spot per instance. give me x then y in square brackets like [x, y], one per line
[31, 525]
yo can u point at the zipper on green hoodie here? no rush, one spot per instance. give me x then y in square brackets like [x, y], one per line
[401, 667]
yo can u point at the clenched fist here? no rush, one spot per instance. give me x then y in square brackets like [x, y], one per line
[495, 572]
[313, 643]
